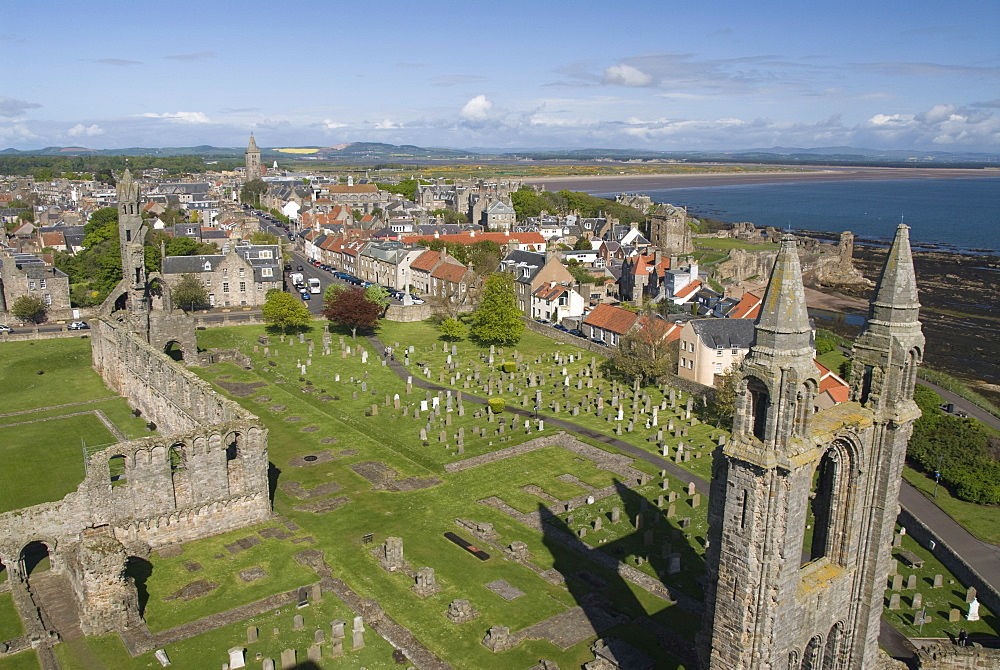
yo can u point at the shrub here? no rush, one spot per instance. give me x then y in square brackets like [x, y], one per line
[496, 405]
[508, 366]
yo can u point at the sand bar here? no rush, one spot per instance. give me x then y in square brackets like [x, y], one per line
[655, 182]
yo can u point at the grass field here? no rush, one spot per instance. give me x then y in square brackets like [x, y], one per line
[983, 521]
[10, 623]
[42, 449]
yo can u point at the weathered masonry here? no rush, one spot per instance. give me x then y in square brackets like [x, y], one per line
[803, 504]
[204, 473]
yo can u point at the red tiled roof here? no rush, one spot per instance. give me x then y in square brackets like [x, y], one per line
[426, 261]
[356, 188]
[689, 290]
[449, 272]
[838, 389]
[747, 308]
[609, 317]
[53, 239]
[499, 238]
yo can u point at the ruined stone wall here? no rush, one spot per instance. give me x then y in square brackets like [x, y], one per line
[950, 657]
[171, 397]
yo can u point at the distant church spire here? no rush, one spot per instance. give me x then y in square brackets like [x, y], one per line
[253, 164]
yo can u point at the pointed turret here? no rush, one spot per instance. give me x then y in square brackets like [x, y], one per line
[896, 295]
[252, 146]
[783, 325]
[253, 165]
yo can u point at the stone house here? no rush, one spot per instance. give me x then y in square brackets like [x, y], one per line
[643, 277]
[498, 216]
[710, 347]
[555, 302]
[29, 275]
[240, 278]
[437, 273]
[364, 197]
[607, 324]
[532, 270]
[387, 264]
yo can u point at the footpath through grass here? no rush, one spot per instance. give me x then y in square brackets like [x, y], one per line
[983, 521]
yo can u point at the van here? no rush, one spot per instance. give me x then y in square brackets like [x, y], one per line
[314, 285]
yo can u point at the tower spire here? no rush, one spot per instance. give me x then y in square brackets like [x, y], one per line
[783, 326]
[896, 294]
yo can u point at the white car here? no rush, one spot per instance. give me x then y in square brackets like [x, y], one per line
[78, 325]
[5, 329]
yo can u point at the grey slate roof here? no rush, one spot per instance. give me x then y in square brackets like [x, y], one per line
[190, 264]
[725, 333]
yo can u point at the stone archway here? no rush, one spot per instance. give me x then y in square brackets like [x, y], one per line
[174, 349]
[35, 557]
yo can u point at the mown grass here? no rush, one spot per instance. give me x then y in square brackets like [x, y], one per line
[26, 660]
[983, 521]
[66, 376]
[10, 622]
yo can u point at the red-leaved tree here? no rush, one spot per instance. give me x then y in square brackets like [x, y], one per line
[351, 308]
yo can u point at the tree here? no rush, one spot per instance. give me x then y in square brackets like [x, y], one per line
[252, 191]
[721, 409]
[260, 237]
[29, 309]
[378, 295]
[642, 354]
[282, 310]
[582, 244]
[497, 320]
[352, 309]
[452, 329]
[190, 293]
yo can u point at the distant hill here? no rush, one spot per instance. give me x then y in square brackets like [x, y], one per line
[377, 152]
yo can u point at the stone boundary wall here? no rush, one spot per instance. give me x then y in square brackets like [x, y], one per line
[24, 336]
[408, 313]
[952, 657]
[955, 563]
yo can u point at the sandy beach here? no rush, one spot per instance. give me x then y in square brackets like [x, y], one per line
[640, 183]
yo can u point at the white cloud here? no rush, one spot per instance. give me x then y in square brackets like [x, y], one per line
[624, 74]
[184, 117]
[11, 108]
[80, 130]
[477, 109]
[387, 124]
[330, 124]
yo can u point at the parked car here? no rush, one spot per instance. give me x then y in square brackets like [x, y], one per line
[578, 333]
[5, 329]
[298, 268]
[559, 326]
[305, 295]
[78, 325]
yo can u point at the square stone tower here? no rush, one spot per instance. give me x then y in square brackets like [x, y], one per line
[803, 502]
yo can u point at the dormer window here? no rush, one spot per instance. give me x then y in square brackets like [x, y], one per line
[207, 267]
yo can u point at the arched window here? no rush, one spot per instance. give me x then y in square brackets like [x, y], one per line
[758, 405]
[234, 446]
[35, 557]
[825, 533]
[813, 656]
[116, 469]
[178, 459]
[834, 644]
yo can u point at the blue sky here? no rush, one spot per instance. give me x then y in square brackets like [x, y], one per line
[651, 75]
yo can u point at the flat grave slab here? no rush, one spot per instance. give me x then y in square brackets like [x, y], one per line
[505, 589]
[468, 546]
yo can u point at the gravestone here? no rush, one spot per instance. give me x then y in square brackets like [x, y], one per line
[315, 652]
[318, 636]
[897, 582]
[392, 554]
[297, 622]
[696, 500]
[616, 514]
[673, 564]
[598, 523]
[287, 659]
[911, 582]
[252, 633]
[894, 601]
[955, 615]
[938, 581]
[671, 511]
[268, 664]
[691, 489]
[236, 658]
[358, 633]
[917, 601]
[426, 584]
[897, 540]
[970, 595]
[337, 629]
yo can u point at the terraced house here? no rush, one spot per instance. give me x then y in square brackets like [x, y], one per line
[240, 278]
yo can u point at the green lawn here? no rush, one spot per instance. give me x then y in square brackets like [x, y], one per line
[10, 622]
[730, 243]
[66, 376]
[26, 660]
[983, 521]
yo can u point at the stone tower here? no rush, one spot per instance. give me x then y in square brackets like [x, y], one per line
[803, 502]
[669, 230]
[131, 236]
[254, 170]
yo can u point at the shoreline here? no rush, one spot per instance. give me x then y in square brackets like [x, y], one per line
[660, 182]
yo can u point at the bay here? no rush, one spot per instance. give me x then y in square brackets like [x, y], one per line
[963, 214]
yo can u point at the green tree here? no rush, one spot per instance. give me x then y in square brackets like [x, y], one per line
[252, 191]
[260, 237]
[190, 293]
[723, 405]
[350, 308]
[582, 244]
[282, 310]
[642, 354]
[378, 295]
[452, 329]
[497, 320]
[29, 309]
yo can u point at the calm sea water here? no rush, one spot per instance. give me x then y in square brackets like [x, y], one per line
[961, 213]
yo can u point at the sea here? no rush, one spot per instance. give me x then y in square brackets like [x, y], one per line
[949, 214]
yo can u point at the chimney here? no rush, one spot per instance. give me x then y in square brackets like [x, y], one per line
[444, 254]
[657, 257]
[437, 234]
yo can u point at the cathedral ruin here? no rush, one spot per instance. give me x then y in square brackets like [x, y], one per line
[803, 503]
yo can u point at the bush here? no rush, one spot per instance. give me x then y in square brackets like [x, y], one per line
[496, 405]
[824, 346]
[508, 366]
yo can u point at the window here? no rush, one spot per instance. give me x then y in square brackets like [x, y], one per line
[225, 272]
[266, 272]
[31, 286]
[243, 272]
[265, 253]
[259, 286]
[41, 284]
[207, 267]
[48, 298]
[735, 351]
[208, 282]
[243, 287]
[225, 287]
[718, 352]
[718, 368]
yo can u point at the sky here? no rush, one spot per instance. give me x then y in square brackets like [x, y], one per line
[659, 75]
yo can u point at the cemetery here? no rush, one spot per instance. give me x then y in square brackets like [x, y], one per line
[388, 494]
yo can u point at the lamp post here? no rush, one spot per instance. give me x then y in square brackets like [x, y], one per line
[937, 475]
